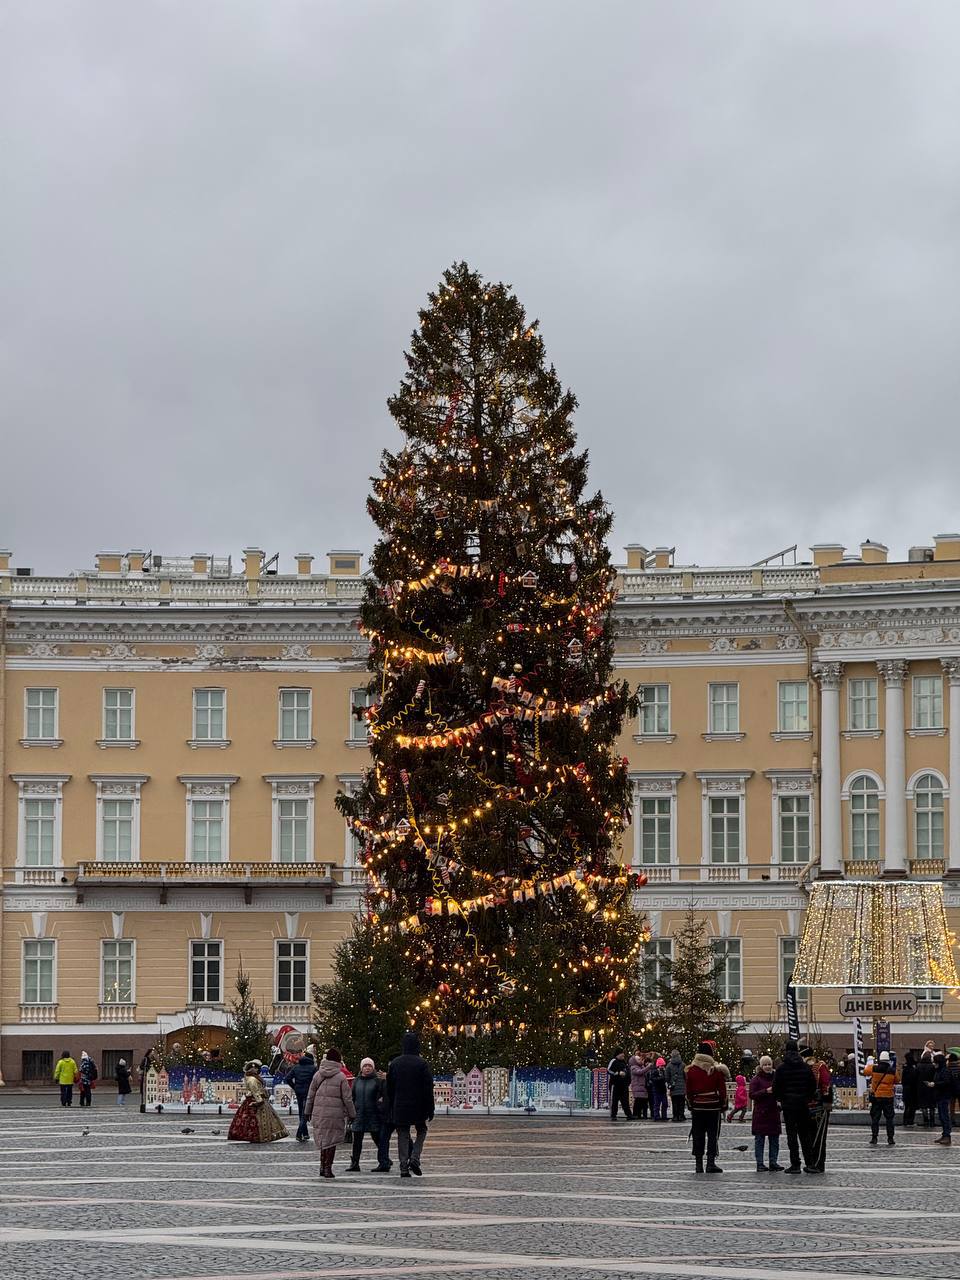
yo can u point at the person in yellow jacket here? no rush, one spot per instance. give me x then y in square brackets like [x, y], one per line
[882, 1078]
[65, 1074]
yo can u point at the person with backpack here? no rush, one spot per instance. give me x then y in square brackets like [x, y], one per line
[882, 1079]
[707, 1098]
[299, 1078]
[87, 1075]
[676, 1083]
[657, 1086]
[618, 1079]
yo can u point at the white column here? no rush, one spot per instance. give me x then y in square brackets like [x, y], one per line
[951, 669]
[895, 768]
[831, 831]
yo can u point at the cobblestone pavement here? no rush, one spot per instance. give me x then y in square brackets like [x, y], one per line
[500, 1199]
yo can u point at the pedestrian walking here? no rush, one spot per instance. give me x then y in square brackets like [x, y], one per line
[123, 1082]
[328, 1107]
[87, 1076]
[255, 1119]
[368, 1100]
[795, 1088]
[657, 1088]
[638, 1084]
[943, 1093]
[410, 1103]
[707, 1098]
[676, 1084]
[618, 1080]
[910, 1085]
[953, 1067]
[299, 1078]
[65, 1074]
[882, 1079]
[741, 1099]
[765, 1117]
[926, 1093]
[821, 1108]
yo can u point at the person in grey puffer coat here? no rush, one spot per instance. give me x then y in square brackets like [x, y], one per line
[369, 1100]
[676, 1084]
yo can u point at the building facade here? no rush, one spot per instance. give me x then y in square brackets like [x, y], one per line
[173, 733]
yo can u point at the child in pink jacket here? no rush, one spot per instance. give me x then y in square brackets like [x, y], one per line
[740, 1099]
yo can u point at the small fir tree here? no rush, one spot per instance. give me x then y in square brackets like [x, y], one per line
[248, 1025]
[688, 1007]
[492, 817]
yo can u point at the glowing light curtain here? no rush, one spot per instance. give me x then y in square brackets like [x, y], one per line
[874, 934]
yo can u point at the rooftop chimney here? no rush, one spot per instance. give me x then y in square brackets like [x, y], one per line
[135, 559]
[304, 562]
[827, 552]
[109, 561]
[252, 563]
[636, 556]
[946, 546]
[344, 563]
[201, 564]
[662, 557]
[5, 561]
[873, 552]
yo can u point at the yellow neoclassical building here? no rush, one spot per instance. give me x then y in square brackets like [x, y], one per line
[173, 733]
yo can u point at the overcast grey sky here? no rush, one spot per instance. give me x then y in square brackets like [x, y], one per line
[738, 222]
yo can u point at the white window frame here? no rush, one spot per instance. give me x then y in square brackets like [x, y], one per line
[658, 705]
[206, 942]
[798, 730]
[26, 942]
[293, 786]
[119, 787]
[790, 784]
[866, 699]
[657, 785]
[713, 731]
[205, 788]
[847, 792]
[106, 740]
[113, 942]
[309, 740]
[912, 789]
[196, 740]
[358, 733]
[40, 786]
[727, 785]
[801, 992]
[41, 740]
[290, 942]
[726, 942]
[918, 699]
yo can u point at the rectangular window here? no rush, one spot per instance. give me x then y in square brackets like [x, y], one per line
[360, 700]
[655, 819]
[293, 818]
[724, 708]
[729, 968]
[118, 715]
[927, 702]
[788, 962]
[657, 958]
[117, 962]
[291, 972]
[41, 714]
[117, 820]
[724, 829]
[206, 825]
[655, 709]
[39, 960]
[39, 828]
[794, 829]
[206, 972]
[210, 715]
[794, 715]
[862, 704]
[295, 715]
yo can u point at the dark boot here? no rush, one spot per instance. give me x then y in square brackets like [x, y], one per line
[714, 1168]
[699, 1164]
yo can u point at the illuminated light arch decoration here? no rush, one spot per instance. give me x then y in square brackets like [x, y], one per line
[874, 934]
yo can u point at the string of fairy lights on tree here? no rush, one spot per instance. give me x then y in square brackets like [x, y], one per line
[492, 816]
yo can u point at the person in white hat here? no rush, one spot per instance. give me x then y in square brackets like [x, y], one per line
[368, 1100]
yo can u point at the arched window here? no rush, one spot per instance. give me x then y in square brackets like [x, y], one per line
[928, 815]
[864, 820]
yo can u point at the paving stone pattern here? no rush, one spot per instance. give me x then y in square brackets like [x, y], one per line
[533, 1197]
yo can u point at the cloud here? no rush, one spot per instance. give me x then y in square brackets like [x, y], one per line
[737, 224]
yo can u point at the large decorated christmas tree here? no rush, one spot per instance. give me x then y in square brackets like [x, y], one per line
[492, 816]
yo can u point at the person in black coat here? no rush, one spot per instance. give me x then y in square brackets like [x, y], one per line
[618, 1074]
[368, 1098]
[910, 1084]
[926, 1096]
[410, 1102]
[298, 1078]
[795, 1088]
[122, 1073]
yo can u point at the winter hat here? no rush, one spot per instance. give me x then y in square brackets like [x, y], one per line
[312, 1050]
[884, 1056]
[766, 1063]
[334, 1055]
[367, 1062]
[747, 1053]
[705, 1047]
[83, 1055]
[661, 1062]
[122, 1062]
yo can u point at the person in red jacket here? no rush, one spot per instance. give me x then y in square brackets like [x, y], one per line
[707, 1099]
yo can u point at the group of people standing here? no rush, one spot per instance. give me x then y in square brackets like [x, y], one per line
[84, 1074]
[652, 1080]
[342, 1108]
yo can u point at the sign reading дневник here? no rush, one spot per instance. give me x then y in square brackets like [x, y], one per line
[897, 1004]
